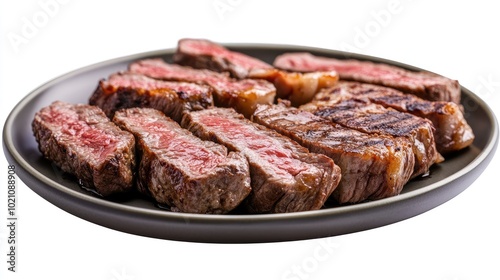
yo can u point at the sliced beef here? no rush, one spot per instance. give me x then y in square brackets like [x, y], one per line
[243, 95]
[373, 166]
[82, 141]
[426, 85]
[299, 88]
[452, 132]
[127, 90]
[182, 171]
[347, 110]
[205, 54]
[285, 176]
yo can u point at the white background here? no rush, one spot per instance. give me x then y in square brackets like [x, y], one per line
[456, 241]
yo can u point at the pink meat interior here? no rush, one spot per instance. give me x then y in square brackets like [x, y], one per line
[178, 145]
[158, 69]
[266, 147]
[83, 135]
[205, 47]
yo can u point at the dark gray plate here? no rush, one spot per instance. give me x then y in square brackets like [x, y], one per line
[140, 216]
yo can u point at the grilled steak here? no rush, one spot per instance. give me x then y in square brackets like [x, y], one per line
[452, 132]
[299, 88]
[127, 90]
[285, 176]
[347, 110]
[373, 166]
[82, 141]
[205, 54]
[423, 84]
[243, 95]
[182, 171]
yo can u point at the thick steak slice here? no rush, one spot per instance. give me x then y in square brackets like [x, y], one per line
[297, 87]
[127, 90]
[359, 114]
[182, 171]
[423, 84]
[205, 54]
[373, 166]
[452, 132]
[82, 141]
[243, 95]
[285, 176]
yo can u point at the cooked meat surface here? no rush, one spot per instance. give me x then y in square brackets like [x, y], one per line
[423, 84]
[243, 95]
[347, 110]
[82, 141]
[452, 132]
[217, 131]
[205, 54]
[373, 166]
[182, 171]
[285, 176]
[297, 87]
[127, 90]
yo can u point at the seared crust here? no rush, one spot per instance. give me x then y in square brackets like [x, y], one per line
[243, 95]
[205, 54]
[297, 87]
[128, 90]
[426, 85]
[349, 111]
[451, 133]
[82, 141]
[285, 176]
[373, 166]
[180, 170]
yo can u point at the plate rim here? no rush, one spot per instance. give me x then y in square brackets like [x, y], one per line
[13, 154]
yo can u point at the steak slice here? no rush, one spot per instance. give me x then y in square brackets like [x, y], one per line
[452, 132]
[180, 170]
[426, 85]
[347, 110]
[127, 90]
[297, 87]
[373, 166]
[285, 176]
[243, 95]
[82, 141]
[205, 54]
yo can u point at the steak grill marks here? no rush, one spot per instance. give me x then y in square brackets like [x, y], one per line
[345, 109]
[452, 132]
[372, 166]
[365, 128]
[285, 176]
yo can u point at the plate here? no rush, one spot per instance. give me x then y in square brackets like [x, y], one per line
[141, 217]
